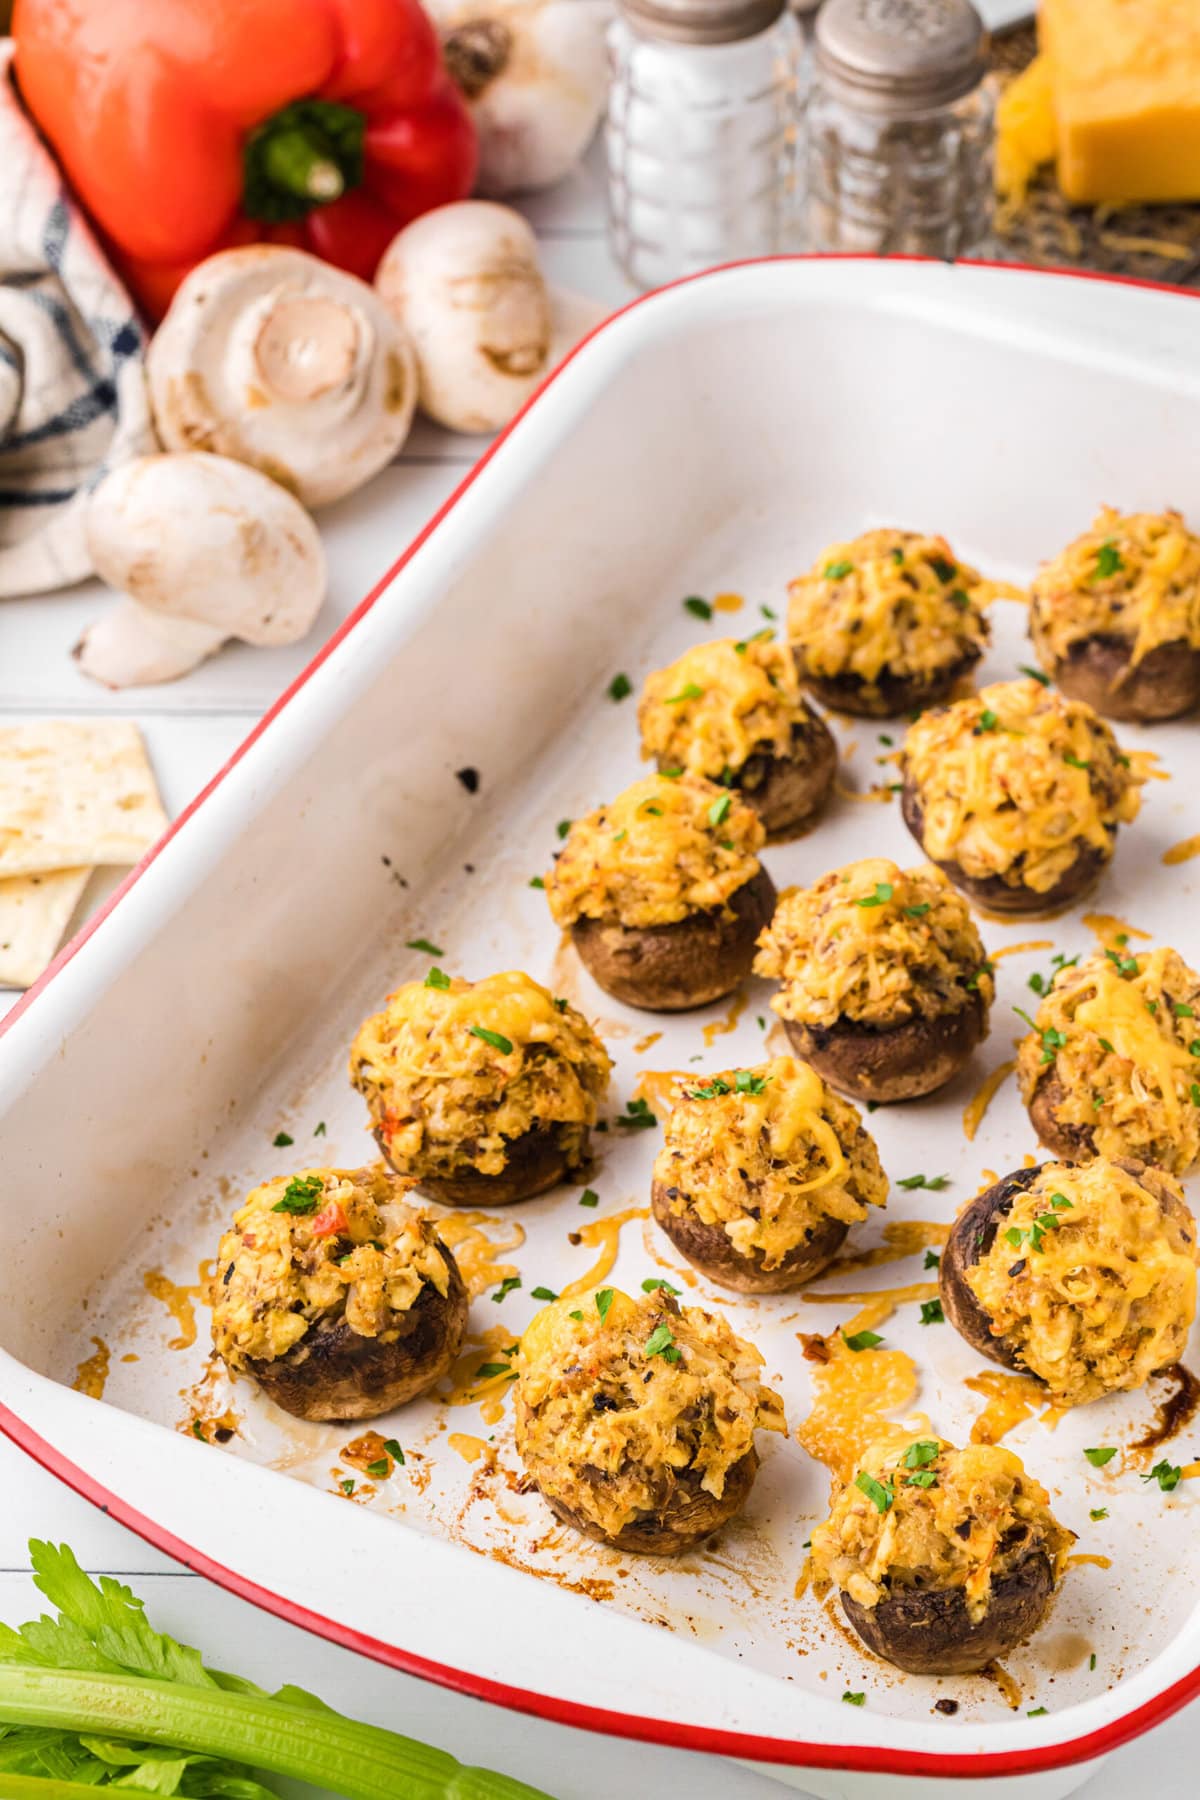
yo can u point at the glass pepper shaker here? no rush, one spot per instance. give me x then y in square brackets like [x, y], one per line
[700, 133]
[900, 129]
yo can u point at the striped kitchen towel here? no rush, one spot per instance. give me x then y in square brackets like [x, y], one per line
[73, 400]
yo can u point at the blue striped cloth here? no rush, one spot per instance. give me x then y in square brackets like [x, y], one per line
[73, 400]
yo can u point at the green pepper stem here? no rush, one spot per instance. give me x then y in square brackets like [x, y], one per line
[360, 1762]
[294, 163]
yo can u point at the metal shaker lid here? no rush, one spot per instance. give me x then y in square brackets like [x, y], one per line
[701, 21]
[901, 56]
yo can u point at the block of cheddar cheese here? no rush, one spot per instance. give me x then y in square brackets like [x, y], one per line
[1126, 77]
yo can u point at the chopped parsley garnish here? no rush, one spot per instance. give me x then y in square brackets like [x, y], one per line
[319, 1128]
[879, 1493]
[988, 720]
[1036, 1712]
[959, 597]
[380, 1470]
[560, 1004]
[1168, 1476]
[918, 911]
[1108, 561]
[636, 1117]
[757, 637]
[854, 1699]
[301, 1195]
[945, 571]
[768, 612]
[1060, 1203]
[281, 1140]
[347, 1486]
[496, 1039]
[589, 1197]
[834, 571]
[1034, 674]
[604, 1299]
[506, 1286]
[698, 607]
[861, 1340]
[883, 893]
[932, 1260]
[719, 809]
[1098, 1458]
[575, 1315]
[425, 945]
[931, 1313]
[689, 691]
[1126, 966]
[1105, 1045]
[656, 1284]
[620, 687]
[1195, 1093]
[437, 978]
[563, 826]
[921, 1454]
[394, 1451]
[535, 881]
[1075, 762]
[542, 1293]
[897, 554]
[1194, 1047]
[1092, 1660]
[661, 1342]
[924, 1478]
[1181, 1011]
[935, 1183]
[747, 1082]
[489, 1370]
[1098, 1512]
[1052, 1038]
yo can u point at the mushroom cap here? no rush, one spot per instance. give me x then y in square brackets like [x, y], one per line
[276, 359]
[465, 283]
[205, 539]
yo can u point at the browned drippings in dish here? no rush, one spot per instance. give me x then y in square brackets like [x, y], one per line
[92, 1373]
[979, 1102]
[495, 1346]
[1175, 1410]
[370, 1448]
[1000, 1677]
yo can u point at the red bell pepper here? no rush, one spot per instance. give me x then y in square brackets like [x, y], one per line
[188, 126]
[331, 1221]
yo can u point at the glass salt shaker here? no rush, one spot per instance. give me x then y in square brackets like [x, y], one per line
[700, 133]
[900, 129]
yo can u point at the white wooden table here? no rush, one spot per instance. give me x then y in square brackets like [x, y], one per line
[190, 729]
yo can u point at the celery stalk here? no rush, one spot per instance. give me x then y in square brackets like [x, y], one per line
[358, 1761]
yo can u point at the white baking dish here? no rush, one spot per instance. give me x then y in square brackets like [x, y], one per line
[710, 438]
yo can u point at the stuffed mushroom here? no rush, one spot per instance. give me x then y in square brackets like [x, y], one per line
[944, 1559]
[1017, 793]
[885, 985]
[887, 623]
[480, 1092]
[1111, 1065]
[663, 892]
[734, 712]
[1083, 1276]
[635, 1419]
[1115, 618]
[338, 1298]
[762, 1173]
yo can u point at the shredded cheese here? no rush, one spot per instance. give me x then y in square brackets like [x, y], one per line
[720, 704]
[1133, 576]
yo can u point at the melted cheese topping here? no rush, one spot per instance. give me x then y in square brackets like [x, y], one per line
[608, 1429]
[768, 1153]
[441, 1096]
[1095, 1295]
[981, 1514]
[1015, 781]
[358, 1254]
[889, 602]
[1125, 1048]
[720, 704]
[661, 850]
[874, 943]
[1133, 576]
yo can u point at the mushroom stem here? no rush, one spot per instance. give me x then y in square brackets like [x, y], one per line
[133, 647]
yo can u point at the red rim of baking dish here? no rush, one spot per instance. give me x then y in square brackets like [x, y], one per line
[864, 1758]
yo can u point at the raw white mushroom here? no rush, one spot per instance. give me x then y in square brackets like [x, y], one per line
[202, 549]
[273, 357]
[534, 74]
[465, 283]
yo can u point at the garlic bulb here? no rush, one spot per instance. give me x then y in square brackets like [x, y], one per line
[534, 74]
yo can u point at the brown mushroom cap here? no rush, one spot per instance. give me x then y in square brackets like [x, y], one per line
[993, 893]
[533, 1162]
[336, 1373]
[928, 1631]
[897, 1062]
[890, 696]
[687, 1515]
[673, 968]
[1101, 671]
[710, 1249]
